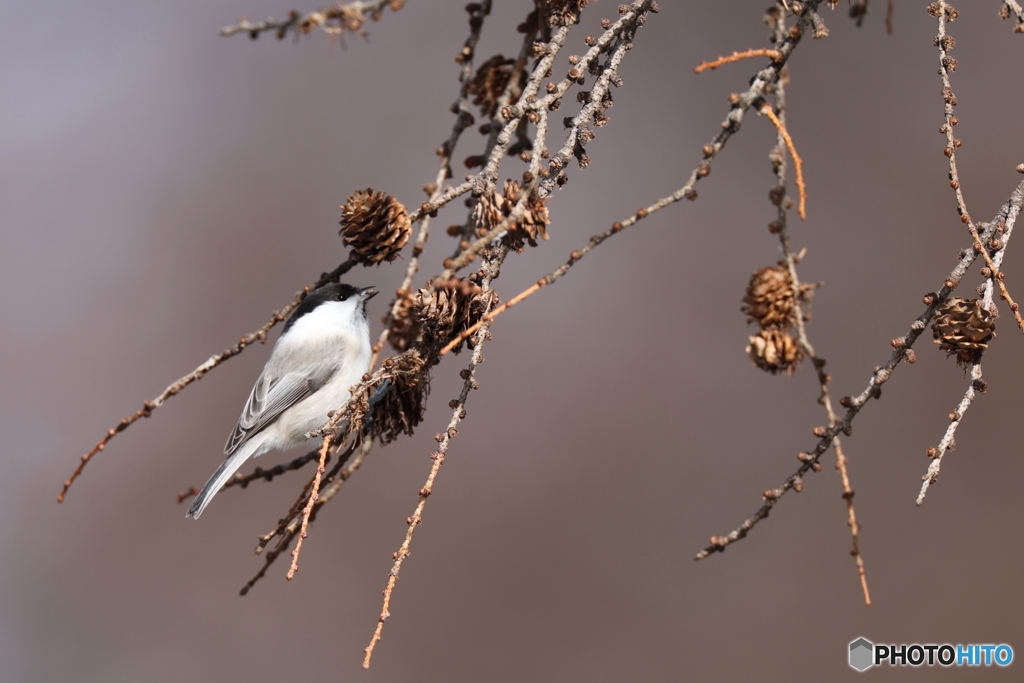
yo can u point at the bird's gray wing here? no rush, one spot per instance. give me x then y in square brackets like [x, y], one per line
[270, 397]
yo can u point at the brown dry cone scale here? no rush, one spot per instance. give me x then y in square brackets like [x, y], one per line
[962, 327]
[452, 308]
[770, 300]
[491, 209]
[375, 225]
[775, 351]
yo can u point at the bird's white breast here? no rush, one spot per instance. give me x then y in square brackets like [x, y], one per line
[333, 339]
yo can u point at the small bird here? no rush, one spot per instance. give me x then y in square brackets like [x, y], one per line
[323, 350]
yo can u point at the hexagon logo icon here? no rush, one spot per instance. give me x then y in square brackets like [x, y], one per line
[861, 654]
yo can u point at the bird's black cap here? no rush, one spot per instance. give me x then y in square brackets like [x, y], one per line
[335, 291]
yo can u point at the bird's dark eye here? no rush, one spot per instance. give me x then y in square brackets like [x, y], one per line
[341, 296]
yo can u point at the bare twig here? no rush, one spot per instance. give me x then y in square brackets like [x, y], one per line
[148, 407]
[774, 55]
[598, 100]
[314, 496]
[343, 470]
[976, 386]
[289, 524]
[798, 163]
[851, 519]
[268, 559]
[334, 19]
[944, 12]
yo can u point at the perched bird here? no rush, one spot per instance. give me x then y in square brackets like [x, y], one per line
[323, 350]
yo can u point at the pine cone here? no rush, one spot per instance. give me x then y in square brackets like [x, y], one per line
[445, 313]
[404, 329]
[775, 351]
[402, 407]
[492, 208]
[770, 298]
[489, 83]
[375, 225]
[963, 327]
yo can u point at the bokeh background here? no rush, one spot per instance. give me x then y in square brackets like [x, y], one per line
[164, 188]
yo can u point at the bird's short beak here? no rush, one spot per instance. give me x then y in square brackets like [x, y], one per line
[367, 293]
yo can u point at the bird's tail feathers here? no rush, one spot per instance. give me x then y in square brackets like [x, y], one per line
[250, 448]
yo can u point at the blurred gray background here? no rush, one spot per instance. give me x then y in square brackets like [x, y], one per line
[163, 189]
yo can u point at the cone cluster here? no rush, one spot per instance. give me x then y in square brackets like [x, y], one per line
[434, 316]
[453, 307]
[375, 225]
[963, 327]
[770, 301]
[492, 208]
